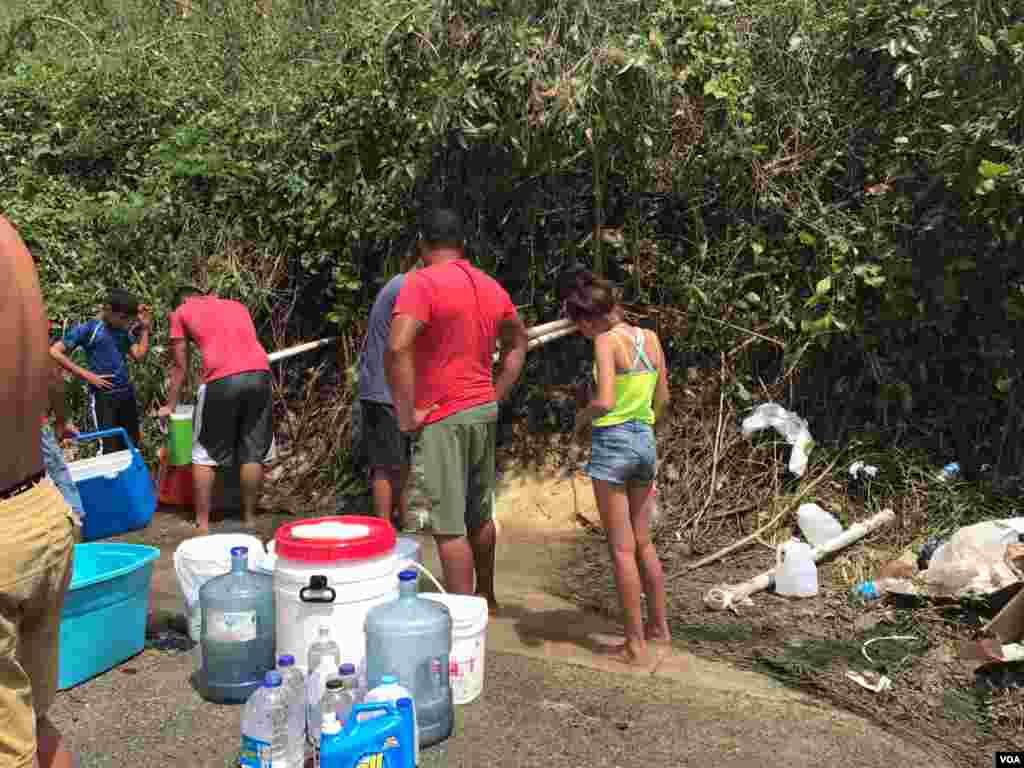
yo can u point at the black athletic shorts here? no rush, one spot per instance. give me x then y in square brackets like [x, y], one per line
[111, 410]
[234, 419]
[384, 444]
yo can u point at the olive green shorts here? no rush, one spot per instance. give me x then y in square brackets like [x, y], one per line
[456, 456]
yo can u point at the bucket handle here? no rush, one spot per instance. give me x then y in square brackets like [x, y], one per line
[421, 569]
[119, 432]
[317, 584]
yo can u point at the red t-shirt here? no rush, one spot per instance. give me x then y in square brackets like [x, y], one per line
[455, 350]
[224, 332]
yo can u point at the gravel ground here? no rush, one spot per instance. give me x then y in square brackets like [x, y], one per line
[532, 713]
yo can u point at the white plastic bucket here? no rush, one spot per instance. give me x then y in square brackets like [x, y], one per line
[349, 584]
[469, 640]
[199, 559]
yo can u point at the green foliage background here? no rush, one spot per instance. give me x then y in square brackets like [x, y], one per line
[844, 176]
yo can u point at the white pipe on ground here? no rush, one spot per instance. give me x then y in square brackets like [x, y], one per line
[729, 596]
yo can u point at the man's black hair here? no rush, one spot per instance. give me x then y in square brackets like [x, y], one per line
[123, 302]
[443, 226]
[183, 292]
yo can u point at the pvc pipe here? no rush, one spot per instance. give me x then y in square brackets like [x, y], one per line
[298, 350]
[546, 328]
[726, 596]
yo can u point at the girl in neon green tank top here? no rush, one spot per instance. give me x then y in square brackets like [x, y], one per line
[631, 392]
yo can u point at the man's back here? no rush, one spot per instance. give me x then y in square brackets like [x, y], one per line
[373, 383]
[224, 332]
[24, 360]
[462, 309]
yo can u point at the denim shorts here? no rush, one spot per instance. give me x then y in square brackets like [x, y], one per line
[623, 453]
[58, 472]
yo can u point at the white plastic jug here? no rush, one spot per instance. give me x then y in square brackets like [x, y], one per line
[796, 575]
[817, 525]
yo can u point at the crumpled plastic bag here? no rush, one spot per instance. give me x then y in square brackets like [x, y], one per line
[790, 426]
[974, 562]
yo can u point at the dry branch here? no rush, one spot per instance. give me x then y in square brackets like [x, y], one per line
[793, 504]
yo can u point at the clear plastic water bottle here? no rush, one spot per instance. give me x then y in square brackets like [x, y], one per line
[316, 687]
[237, 632]
[411, 638]
[337, 700]
[294, 683]
[323, 646]
[348, 674]
[265, 726]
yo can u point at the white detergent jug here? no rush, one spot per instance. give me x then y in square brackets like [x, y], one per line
[796, 575]
[817, 525]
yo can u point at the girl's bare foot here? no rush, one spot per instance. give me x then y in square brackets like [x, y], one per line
[629, 653]
[659, 636]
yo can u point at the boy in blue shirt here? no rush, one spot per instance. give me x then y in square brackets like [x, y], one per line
[108, 343]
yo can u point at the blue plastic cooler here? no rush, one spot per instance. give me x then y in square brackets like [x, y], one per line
[116, 488]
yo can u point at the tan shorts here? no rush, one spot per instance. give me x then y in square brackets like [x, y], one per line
[36, 548]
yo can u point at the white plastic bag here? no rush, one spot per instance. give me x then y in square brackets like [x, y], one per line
[973, 561]
[790, 426]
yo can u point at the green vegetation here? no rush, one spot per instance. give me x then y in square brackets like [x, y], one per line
[843, 178]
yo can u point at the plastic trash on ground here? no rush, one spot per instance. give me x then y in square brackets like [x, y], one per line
[817, 525]
[859, 469]
[977, 560]
[790, 426]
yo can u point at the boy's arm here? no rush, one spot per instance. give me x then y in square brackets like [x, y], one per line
[141, 347]
[57, 404]
[59, 353]
[178, 375]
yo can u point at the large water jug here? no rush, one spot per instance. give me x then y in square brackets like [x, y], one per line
[796, 575]
[238, 631]
[265, 727]
[817, 525]
[411, 638]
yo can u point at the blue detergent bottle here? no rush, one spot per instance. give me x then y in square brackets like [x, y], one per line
[378, 735]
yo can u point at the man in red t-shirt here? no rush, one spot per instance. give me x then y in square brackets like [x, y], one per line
[440, 369]
[233, 421]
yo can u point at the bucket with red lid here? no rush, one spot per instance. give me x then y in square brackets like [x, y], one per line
[331, 571]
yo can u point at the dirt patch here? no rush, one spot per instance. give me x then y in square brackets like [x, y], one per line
[531, 499]
[812, 643]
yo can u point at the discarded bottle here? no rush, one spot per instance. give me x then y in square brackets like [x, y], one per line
[817, 525]
[796, 575]
[867, 590]
[237, 631]
[337, 699]
[949, 472]
[265, 726]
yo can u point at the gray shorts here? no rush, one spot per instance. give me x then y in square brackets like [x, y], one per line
[234, 421]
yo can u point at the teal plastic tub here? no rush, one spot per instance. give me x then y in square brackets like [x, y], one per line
[105, 610]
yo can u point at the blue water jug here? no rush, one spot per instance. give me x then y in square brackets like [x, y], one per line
[375, 736]
[238, 631]
[411, 638]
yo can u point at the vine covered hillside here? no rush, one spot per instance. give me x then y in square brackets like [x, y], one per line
[844, 180]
